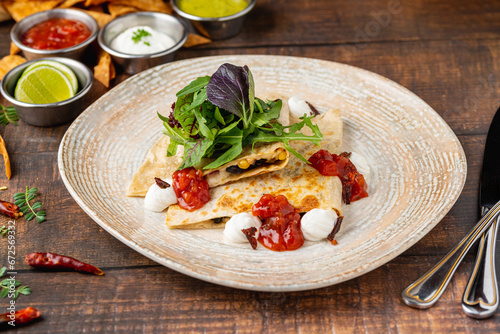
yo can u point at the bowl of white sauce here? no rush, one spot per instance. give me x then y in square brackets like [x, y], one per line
[138, 41]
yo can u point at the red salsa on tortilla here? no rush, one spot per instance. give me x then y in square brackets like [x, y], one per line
[190, 188]
[280, 229]
[353, 183]
[55, 34]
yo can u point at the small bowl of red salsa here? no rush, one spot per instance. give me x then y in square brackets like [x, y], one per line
[55, 33]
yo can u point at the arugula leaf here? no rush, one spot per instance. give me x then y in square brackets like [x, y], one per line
[185, 115]
[218, 116]
[234, 141]
[271, 111]
[172, 148]
[229, 155]
[202, 123]
[194, 86]
[194, 152]
[215, 117]
[198, 98]
[232, 88]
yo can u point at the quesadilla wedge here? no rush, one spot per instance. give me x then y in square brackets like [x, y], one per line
[262, 159]
[302, 185]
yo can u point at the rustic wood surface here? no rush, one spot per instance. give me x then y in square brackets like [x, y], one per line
[444, 51]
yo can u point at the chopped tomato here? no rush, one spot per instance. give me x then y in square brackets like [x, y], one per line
[353, 183]
[55, 34]
[190, 188]
[280, 229]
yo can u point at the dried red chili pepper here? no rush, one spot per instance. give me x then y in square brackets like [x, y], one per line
[162, 184]
[59, 262]
[250, 234]
[10, 209]
[20, 317]
[336, 228]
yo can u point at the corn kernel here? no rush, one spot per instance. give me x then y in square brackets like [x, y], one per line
[243, 164]
[282, 155]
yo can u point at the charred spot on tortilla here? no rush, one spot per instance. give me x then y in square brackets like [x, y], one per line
[308, 203]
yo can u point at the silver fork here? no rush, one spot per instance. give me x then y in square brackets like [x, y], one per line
[480, 299]
[425, 292]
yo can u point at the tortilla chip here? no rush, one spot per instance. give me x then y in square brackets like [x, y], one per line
[4, 16]
[89, 3]
[117, 10]
[149, 5]
[9, 62]
[104, 71]
[14, 49]
[101, 18]
[69, 3]
[98, 9]
[194, 40]
[3, 152]
[19, 10]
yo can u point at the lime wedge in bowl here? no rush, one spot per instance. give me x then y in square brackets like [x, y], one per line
[43, 84]
[61, 67]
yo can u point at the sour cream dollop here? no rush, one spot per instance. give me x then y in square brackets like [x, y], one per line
[238, 222]
[299, 107]
[141, 40]
[317, 224]
[158, 199]
[361, 164]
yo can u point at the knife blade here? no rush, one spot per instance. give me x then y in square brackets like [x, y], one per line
[480, 298]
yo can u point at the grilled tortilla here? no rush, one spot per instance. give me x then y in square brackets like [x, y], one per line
[262, 159]
[303, 186]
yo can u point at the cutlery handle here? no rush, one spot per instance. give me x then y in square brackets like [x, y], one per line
[425, 292]
[480, 299]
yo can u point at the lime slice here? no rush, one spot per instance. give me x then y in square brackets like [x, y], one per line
[61, 67]
[43, 84]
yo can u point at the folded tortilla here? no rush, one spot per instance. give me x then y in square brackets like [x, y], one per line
[303, 186]
[262, 158]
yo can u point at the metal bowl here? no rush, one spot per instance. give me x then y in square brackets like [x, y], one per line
[74, 52]
[133, 63]
[51, 113]
[217, 27]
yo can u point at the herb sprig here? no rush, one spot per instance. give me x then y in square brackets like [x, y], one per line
[6, 283]
[23, 201]
[3, 232]
[139, 34]
[8, 115]
[215, 117]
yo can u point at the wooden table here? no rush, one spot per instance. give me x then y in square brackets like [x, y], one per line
[446, 52]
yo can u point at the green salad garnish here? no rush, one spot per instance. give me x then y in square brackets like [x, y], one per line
[215, 117]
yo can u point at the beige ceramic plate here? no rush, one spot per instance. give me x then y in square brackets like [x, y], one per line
[418, 171]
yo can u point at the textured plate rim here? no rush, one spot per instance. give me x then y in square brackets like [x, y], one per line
[170, 263]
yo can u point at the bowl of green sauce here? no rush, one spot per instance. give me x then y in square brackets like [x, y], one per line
[216, 19]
